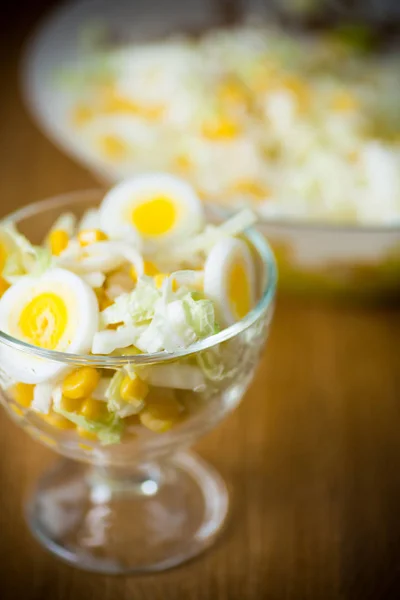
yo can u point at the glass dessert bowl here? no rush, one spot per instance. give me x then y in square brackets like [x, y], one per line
[133, 499]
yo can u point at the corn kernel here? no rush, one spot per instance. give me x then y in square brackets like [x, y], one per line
[58, 421]
[252, 188]
[80, 383]
[81, 115]
[353, 156]
[150, 269]
[4, 285]
[232, 92]
[344, 102]
[160, 413]
[113, 147]
[299, 89]
[223, 129]
[132, 390]
[23, 394]
[183, 163]
[115, 103]
[70, 404]
[58, 241]
[87, 435]
[91, 236]
[94, 410]
[161, 277]
[103, 300]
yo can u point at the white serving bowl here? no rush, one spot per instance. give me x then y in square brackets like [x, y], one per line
[343, 261]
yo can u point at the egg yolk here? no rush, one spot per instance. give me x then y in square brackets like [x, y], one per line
[43, 320]
[155, 217]
[239, 290]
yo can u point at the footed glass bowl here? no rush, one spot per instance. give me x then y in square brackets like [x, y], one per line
[145, 503]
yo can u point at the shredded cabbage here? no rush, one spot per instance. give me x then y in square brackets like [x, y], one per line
[204, 241]
[23, 257]
[102, 256]
[67, 222]
[174, 375]
[108, 431]
[94, 279]
[157, 320]
[135, 307]
[105, 342]
[42, 397]
[211, 363]
[90, 220]
[115, 403]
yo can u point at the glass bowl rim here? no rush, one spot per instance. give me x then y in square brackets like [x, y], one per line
[258, 240]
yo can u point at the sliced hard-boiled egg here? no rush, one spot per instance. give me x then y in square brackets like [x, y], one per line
[230, 280]
[57, 311]
[159, 207]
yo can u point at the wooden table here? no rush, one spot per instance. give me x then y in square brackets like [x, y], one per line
[312, 455]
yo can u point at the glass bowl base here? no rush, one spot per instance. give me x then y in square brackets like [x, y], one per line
[120, 522]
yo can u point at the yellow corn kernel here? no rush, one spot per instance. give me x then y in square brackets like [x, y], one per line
[23, 394]
[113, 147]
[150, 269]
[222, 129]
[134, 389]
[344, 102]
[91, 236]
[94, 410]
[3, 286]
[299, 89]
[251, 188]
[58, 241]
[81, 115]
[353, 156]
[115, 103]
[161, 277]
[87, 435]
[80, 383]
[71, 404]
[58, 421]
[120, 278]
[232, 92]
[103, 300]
[160, 413]
[182, 163]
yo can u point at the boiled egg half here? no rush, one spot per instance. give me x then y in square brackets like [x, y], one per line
[159, 207]
[57, 311]
[230, 280]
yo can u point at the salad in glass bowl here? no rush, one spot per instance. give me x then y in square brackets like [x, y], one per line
[302, 129]
[131, 323]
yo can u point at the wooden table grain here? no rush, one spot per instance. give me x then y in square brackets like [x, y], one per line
[312, 455]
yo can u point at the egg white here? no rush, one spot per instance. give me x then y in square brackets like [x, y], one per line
[81, 325]
[217, 270]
